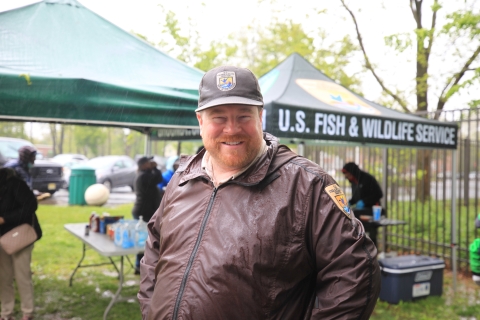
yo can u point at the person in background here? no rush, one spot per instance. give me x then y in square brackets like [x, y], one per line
[148, 196]
[22, 165]
[248, 229]
[17, 206]
[366, 192]
[171, 166]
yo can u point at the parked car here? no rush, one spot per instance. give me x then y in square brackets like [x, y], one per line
[67, 160]
[114, 171]
[46, 175]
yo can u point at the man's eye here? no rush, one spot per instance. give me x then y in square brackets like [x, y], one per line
[244, 118]
[219, 119]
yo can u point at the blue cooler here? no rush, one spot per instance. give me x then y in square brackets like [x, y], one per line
[409, 277]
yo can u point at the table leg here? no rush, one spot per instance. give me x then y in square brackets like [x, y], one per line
[78, 265]
[384, 239]
[129, 261]
[117, 294]
[115, 266]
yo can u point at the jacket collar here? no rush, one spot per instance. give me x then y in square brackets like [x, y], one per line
[276, 155]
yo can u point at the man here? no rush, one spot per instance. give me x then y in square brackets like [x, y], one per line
[25, 161]
[366, 192]
[365, 189]
[148, 196]
[249, 230]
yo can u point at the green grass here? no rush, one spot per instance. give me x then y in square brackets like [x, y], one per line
[430, 222]
[55, 257]
[57, 253]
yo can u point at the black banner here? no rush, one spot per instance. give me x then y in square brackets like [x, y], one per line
[175, 134]
[293, 122]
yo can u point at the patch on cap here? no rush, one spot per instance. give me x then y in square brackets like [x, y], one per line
[226, 80]
[338, 197]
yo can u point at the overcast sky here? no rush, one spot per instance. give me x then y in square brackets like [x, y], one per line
[216, 19]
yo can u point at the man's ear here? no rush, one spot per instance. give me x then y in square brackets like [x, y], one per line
[200, 121]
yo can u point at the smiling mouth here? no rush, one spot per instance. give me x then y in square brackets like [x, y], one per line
[232, 143]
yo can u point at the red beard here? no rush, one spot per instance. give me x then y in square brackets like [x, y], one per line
[235, 158]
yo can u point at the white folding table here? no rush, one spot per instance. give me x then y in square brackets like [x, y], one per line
[105, 247]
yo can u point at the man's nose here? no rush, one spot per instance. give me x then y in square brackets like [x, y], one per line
[232, 127]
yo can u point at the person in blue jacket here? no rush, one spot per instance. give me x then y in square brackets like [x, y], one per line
[171, 166]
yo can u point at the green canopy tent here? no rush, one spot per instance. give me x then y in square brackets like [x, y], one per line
[62, 63]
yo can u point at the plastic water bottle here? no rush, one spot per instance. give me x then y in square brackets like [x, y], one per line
[141, 233]
[118, 233]
[127, 231]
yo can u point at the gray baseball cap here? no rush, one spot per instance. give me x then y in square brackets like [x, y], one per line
[229, 85]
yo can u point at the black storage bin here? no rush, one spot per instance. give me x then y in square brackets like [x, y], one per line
[409, 277]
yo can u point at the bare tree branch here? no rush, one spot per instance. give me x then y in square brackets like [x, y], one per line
[416, 7]
[432, 31]
[455, 79]
[369, 65]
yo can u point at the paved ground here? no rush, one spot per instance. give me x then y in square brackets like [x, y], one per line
[117, 197]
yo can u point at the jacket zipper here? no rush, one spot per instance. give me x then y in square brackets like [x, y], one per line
[193, 255]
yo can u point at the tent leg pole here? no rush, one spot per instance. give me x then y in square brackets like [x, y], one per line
[148, 143]
[179, 148]
[301, 149]
[454, 221]
[385, 176]
[385, 193]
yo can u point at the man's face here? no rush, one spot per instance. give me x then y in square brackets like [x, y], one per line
[145, 166]
[32, 158]
[348, 175]
[232, 134]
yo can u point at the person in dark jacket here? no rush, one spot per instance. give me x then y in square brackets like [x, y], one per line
[148, 196]
[365, 188]
[247, 229]
[366, 192]
[17, 206]
[25, 161]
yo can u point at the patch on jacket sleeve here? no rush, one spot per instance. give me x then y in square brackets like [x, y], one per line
[338, 197]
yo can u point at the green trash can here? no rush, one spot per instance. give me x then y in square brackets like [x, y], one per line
[81, 177]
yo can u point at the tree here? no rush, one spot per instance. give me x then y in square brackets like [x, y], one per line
[265, 47]
[89, 139]
[57, 137]
[458, 37]
[13, 130]
[261, 48]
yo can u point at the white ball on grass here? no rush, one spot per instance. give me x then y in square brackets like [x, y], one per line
[97, 195]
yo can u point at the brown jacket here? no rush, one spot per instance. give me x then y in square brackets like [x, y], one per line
[271, 244]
